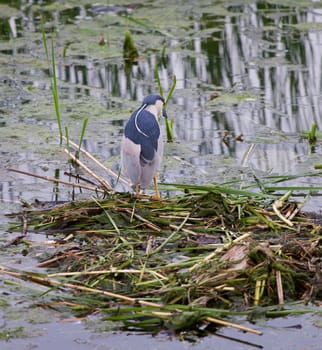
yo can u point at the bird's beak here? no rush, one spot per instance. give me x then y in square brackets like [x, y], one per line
[164, 113]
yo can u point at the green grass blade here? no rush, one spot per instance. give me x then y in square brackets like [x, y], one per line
[172, 87]
[55, 93]
[293, 188]
[53, 80]
[221, 189]
[85, 122]
[168, 123]
[169, 130]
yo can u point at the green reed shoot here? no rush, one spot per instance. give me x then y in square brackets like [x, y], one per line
[82, 136]
[168, 123]
[172, 87]
[53, 81]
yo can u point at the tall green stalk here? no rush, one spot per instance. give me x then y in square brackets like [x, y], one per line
[168, 122]
[54, 90]
[82, 136]
[53, 80]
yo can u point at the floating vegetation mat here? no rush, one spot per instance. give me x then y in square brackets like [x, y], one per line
[193, 261]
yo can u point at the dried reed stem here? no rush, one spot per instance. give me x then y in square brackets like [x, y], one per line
[111, 271]
[52, 179]
[97, 162]
[50, 282]
[233, 325]
[279, 287]
[103, 182]
[214, 320]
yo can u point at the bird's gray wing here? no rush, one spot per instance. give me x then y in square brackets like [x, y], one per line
[149, 135]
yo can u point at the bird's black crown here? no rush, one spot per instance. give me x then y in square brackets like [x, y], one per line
[152, 99]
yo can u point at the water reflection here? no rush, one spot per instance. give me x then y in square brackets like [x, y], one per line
[255, 53]
[265, 60]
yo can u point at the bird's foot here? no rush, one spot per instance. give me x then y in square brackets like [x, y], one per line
[156, 196]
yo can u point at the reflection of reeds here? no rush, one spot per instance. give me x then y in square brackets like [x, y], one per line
[180, 262]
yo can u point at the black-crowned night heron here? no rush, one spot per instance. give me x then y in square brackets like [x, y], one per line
[142, 144]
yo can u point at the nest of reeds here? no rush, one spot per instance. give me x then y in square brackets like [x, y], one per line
[179, 262]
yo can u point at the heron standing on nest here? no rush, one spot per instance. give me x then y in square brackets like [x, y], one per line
[142, 144]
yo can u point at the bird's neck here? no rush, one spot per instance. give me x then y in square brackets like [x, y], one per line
[152, 109]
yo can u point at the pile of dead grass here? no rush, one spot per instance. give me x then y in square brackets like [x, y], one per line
[181, 261]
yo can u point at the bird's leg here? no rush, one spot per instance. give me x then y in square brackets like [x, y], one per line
[157, 193]
[137, 190]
